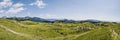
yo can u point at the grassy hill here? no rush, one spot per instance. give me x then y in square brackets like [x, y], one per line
[29, 30]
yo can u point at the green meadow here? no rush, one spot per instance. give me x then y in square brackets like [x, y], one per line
[29, 30]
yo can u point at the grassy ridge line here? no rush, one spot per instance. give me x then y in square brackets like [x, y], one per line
[20, 34]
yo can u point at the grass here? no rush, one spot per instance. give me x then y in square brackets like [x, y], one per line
[5, 35]
[58, 30]
[97, 34]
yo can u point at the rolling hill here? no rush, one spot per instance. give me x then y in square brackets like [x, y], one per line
[62, 30]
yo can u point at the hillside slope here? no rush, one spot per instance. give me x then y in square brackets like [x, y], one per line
[28, 30]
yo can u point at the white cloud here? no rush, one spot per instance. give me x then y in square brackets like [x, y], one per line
[16, 8]
[5, 3]
[11, 8]
[18, 5]
[39, 3]
[47, 15]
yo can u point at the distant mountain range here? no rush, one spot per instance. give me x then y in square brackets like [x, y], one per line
[37, 19]
[92, 20]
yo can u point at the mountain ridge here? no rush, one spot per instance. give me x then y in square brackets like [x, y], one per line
[37, 19]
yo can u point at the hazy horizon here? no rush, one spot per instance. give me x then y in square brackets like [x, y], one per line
[107, 10]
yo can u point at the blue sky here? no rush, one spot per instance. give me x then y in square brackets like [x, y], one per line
[107, 10]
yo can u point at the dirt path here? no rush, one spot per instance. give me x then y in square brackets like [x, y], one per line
[20, 34]
[74, 36]
[82, 34]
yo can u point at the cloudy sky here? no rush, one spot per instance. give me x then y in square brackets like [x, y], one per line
[108, 10]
